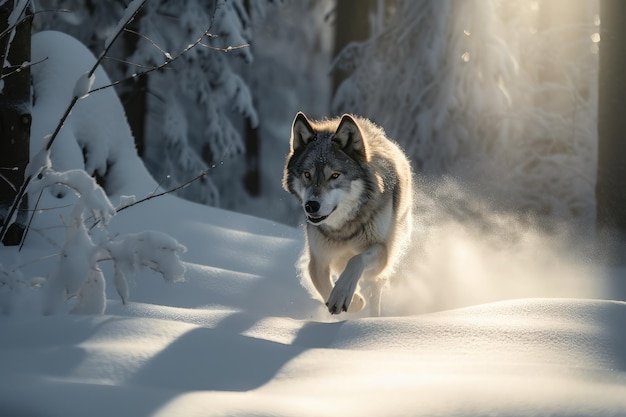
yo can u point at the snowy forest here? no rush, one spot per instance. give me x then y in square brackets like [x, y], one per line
[150, 262]
[501, 96]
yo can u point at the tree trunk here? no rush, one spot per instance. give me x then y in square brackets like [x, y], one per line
[252, 178]
[15, 117]
[611, 179]
[351, 25]
[135, 97]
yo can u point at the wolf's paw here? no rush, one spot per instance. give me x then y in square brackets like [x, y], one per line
[339, 302]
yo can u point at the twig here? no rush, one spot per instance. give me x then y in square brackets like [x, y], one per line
[202, 174]
[152, 195]
[30, 220]
[5, 53]
[164, 52]
[110, 43]
[160, 66]
[9, 183]
[123, 61]
[227, 49]
[23, 19]
[18, 68]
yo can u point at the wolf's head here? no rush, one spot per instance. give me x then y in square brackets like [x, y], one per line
[325, 168]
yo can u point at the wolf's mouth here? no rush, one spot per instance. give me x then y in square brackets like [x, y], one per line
[316, 220]
[319, 219]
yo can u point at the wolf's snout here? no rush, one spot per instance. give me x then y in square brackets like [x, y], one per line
[312, 206]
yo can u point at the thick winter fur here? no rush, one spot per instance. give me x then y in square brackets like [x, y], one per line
[356, 190]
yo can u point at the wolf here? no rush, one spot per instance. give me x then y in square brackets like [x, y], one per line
[355, 186]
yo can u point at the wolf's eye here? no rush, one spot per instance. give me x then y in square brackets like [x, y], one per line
[334, 175]
[307, 175]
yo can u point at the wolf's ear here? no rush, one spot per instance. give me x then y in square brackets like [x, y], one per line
[301, 132]
[349, 138]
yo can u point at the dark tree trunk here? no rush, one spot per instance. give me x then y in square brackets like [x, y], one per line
[135, 103]
[611, 180]
[252, 178]
[135, 98]
[15, 118]
[351, 25]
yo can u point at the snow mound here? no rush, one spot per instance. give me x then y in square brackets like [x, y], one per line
[96, 136]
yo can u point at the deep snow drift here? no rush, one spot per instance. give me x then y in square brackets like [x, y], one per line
[241, 336]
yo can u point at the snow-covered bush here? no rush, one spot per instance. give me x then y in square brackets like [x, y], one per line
[76, 274]
[486, 92]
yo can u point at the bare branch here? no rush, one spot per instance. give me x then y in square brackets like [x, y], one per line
[154, 194]
[9, 183]
[30, 220]
[18, 68]
[158, 67]
[22, 19]
[110, 43]
[227, 49]
[164, 52]
[123, 61]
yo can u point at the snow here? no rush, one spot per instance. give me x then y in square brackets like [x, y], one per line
[18, 13]
[520, 357]
[515, 323]
[83, 85]
[96, 133]
[131, 10]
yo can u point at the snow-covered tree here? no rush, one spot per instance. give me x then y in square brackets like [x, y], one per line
[189, 125]
[193, 107]
[485, 92]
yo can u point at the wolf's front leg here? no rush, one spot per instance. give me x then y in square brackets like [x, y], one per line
[372, 261]
[319, 272]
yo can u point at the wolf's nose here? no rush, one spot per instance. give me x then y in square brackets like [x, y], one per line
[312, 206]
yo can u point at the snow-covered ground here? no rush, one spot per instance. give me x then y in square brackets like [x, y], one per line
[240, 336]
[516, 327]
